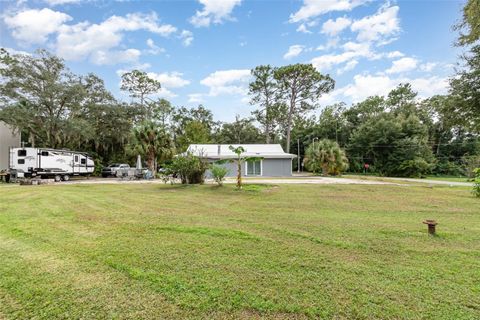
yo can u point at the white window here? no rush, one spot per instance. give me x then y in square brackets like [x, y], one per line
[254, 168]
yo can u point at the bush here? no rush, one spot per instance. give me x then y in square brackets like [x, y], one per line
[417, 168]
[189, 168]
[476, 183]
[471, 163]
[448, 168]
[219, 172]
[326, 157]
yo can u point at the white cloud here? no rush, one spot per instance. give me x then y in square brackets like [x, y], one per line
[214, 11]
[334, 27]
[305, 25]
[350, 65]
[83, 40]
[331, 43]
[293, 51]
[187, 37]
[403, 65]
[303, 28]
[33, 26]
[427, 67]
[233, 81]
[101, 43]
[352, 51]
[383, 23]
[60, 2]
[115, 56]
[169, 80]
[368, 85]
[195, 98]
[395, 54]
[154, 49]
[314, 8]
[372, 32]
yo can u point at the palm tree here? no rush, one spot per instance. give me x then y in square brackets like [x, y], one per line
[327, 157]
[153, 143]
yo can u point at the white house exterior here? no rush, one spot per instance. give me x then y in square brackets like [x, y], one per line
[8, 139]
[274, 163]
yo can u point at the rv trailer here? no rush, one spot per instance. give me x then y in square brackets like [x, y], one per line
[49, 163]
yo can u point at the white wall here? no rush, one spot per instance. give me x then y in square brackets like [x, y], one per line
[7, 139]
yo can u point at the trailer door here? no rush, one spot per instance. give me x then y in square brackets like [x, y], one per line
[76, 161]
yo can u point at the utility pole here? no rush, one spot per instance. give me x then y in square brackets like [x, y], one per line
[298, 159]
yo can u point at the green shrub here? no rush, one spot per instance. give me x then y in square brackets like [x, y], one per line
[219, 172]
[476, 183]
[471, 163]
[189, 168]
[448, 168]
[326, 157]
[417, 168]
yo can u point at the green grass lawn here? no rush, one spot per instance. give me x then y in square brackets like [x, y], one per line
[449, 178]
[290, 251]
[376, 177]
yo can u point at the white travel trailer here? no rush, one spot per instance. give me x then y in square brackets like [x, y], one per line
[49, 163]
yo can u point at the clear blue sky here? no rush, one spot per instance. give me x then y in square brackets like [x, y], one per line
[201, 51]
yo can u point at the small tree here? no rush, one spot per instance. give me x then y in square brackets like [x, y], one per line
[219, 172]
[189, 168]
[239, 160]
[327, 157]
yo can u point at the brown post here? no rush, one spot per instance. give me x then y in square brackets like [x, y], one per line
[431, 226]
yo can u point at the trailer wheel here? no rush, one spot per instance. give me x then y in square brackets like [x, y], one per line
[57, 178]
[66, 177]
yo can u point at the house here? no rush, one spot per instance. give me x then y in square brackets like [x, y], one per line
[274, 161]
[8, 139]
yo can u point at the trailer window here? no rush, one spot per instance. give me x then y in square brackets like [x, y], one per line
[44, 153]
[22, 153]
[76, 158]
[83, 161]
[21, 161]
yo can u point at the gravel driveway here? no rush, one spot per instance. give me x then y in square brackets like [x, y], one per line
[286, 180]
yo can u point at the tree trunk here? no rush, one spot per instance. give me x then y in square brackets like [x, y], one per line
[325, 169]
[290, 115]
[289, 129]
[239, 174]
[151, 162]
[267, 125]
[32, 140]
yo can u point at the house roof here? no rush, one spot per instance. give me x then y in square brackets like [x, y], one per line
[222, 151]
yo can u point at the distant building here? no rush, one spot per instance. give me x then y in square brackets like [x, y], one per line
[8, 138]
[274, 163]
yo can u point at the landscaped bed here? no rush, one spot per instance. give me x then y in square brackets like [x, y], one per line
[290, 251]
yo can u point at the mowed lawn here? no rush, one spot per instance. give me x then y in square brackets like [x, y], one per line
[148, 251]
